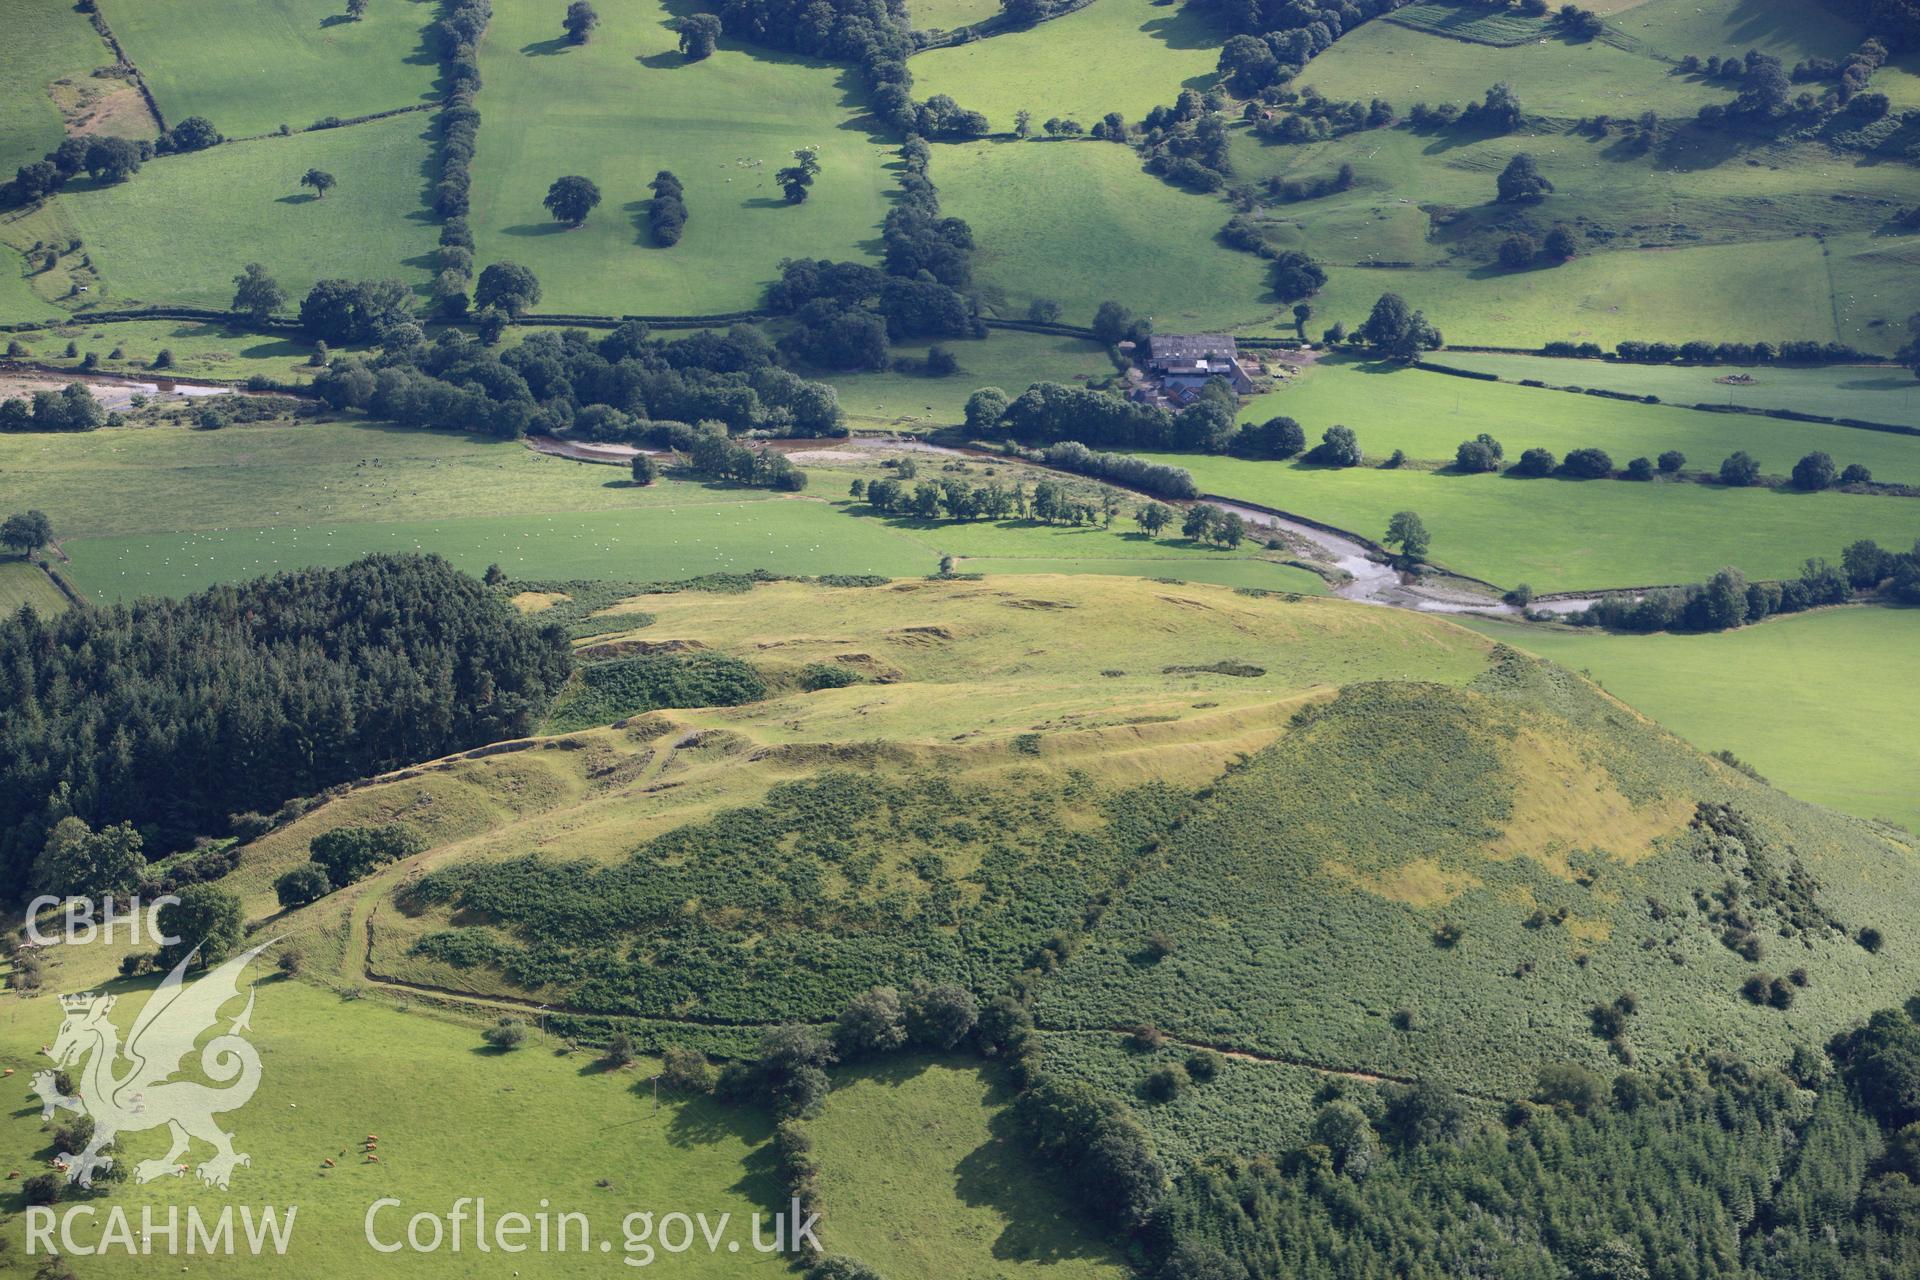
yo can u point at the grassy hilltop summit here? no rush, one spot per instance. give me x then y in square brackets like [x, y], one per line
[1000, 639]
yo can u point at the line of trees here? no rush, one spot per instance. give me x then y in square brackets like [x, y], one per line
[172, 715]
[1814, 472]
[456, 38]
[667, 211]
[847, 312]
[1699, 351]
[102, 158]
[873, 35]
[711, 453]
[1728, 599]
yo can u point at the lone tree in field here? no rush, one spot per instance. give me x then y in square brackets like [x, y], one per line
[256, 293]
[320, 180]
[698, 33]
[1397, 331]
[26, 532]
[1562, 243]
[507, 287]
[796, 178]
[1408, 532]
[1521, 182]
[356, 10]
[1296, 276]
[572, 198]
[645, 469]
[581, 19]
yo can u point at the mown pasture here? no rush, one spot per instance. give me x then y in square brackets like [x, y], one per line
[169, 510]
[925, 1177]
[201, 349]
[1887, 394]
[658, 541]
[905, 399]
[24, 585]
[453, 1119]
[1114, 55]
[946, 15]
[626, 105]
[1792, 697]
[1554, 78]
[1573, 535]
[1079, 222]
[251, 66]
[1609, 297]
[371, 225]
[1428, 414]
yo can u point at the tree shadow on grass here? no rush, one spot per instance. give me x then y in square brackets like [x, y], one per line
[298, 198]
[1001, 1175]
[700, 1121]
[665, 60]
[535, 229]
[546, 48]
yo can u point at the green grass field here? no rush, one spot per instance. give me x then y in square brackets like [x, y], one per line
[119, 482]
[47, 41]
[251, 66]
[453, 1120]
[945, 15]
[17, 298]
[165, 510]
[1793, 697]
[1889, 394]
[23, 584]
[1789, 32]
[1429, 414]
[1501, 27]
[1607, 297]
[1114, 55]
[1079, 222]
[1572, 535]
[244, 205]
[1553, 77]
[1678, 243]
[200, 349]
[625, 106]
[663, 540]
[1012, 361]
[924, 1178]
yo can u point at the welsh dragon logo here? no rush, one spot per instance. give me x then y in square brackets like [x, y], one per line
[144, 1096]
